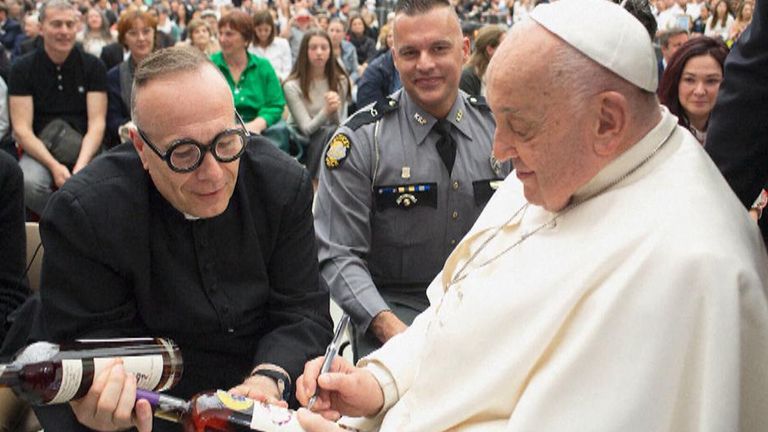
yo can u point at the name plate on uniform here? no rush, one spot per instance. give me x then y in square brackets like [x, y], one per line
[405, 197]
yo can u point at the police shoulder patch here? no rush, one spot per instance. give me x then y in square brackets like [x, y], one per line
[337, 151]
[372, 113]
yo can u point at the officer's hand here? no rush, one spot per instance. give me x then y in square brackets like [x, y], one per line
[111, 405]
[312, 422]
[260, 388]
[386, 324]
[345, 390]
[60, 174]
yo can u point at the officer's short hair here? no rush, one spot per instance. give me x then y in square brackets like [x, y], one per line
[418, 7]
[55, 4]
[163, 62]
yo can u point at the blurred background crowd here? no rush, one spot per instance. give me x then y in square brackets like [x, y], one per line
[358, 38]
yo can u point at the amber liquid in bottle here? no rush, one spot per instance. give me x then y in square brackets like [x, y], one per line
[47, 373]
[221, 412]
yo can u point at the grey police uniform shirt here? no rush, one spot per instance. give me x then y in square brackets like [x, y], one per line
[387, 211]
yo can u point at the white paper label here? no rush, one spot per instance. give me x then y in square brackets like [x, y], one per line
[272, 418]
[71, 376]
[148, 369]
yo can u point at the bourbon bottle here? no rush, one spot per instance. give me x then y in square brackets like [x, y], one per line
[220, 411]
[48, 373]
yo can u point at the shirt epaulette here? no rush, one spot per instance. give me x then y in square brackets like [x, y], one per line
[375, 112]
[479, 102]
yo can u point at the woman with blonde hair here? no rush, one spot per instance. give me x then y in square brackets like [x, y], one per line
[487, 40]
[200, 36]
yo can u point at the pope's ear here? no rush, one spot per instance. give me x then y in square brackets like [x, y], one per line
[612, 122]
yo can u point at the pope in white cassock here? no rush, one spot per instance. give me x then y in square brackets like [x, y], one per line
[613, 283]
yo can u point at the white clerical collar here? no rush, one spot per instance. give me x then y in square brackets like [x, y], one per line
[188, 216]
[631, 158]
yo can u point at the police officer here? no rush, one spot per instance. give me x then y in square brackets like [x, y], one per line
[404, 179]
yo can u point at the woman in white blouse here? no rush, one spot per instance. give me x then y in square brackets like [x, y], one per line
[268, 45]
[96, 34]
[316, 93]
[719, 24]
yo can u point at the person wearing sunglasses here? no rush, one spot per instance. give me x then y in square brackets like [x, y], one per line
[197, 231]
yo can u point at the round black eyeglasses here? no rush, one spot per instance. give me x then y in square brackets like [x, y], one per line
[186, 155]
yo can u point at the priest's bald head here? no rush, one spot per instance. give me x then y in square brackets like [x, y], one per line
[572, 88]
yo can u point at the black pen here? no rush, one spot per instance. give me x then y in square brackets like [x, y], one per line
[330, 353]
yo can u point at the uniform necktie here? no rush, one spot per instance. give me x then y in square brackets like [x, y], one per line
[446, 146]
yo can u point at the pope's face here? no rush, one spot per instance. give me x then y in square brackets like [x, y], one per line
[429, 53]
[167, 111]
[536, 129]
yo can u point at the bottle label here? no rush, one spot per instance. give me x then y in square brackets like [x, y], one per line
[148, 369]
[272, 418]
[71, 376]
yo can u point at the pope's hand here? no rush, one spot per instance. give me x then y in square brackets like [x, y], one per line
[312, 422]
[345, 390]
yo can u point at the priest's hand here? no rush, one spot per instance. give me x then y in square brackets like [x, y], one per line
[345, 390]
[111, 405]
[261, 388]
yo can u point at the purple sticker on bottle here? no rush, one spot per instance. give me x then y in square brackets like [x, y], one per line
[151, 397]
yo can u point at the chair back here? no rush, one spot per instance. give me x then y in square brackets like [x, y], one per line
[34, 255]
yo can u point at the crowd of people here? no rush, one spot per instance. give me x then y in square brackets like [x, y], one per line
[487, 193]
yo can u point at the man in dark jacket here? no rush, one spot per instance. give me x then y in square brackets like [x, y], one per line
[379, 80]
[197, 232]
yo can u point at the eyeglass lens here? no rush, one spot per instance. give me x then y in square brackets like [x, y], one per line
[226, 148]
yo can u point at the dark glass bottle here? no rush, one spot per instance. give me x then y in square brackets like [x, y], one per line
[220, 411]
[48, 373]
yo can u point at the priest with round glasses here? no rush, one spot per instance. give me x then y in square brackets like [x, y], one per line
[198, 232]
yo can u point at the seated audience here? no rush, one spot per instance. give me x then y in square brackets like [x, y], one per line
[268, 45]
[670, 41]
[614, 283]
[254, 84]
[379, 80]
[298, 24]
[194, 233]
[316, 92]
[690, 83]
[358, 36]
[26, 41]
[472, 76]
[345, 52]
[743, 18]
[200, 36]
[721, 21]
[96, 35]
[10, 28]
[56, 91]
[136, 30]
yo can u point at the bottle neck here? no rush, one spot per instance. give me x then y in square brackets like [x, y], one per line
[9, 375]
[164, 406]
